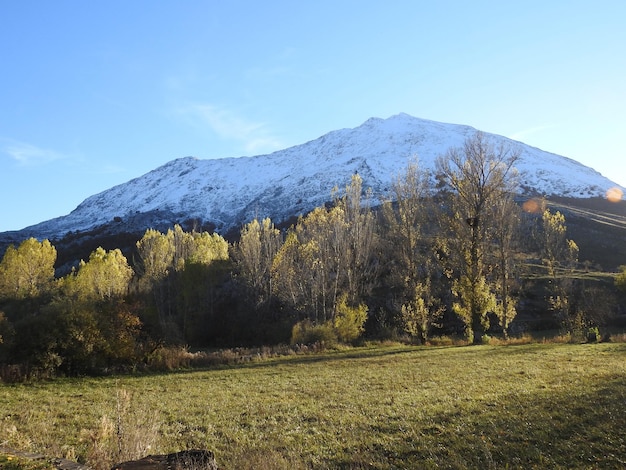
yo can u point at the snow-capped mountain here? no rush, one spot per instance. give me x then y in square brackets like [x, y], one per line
[231, 191]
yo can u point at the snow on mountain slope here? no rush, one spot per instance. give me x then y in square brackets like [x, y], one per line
[231, 191]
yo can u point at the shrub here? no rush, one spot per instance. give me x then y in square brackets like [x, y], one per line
[447, 341]
[169, 358]
[511, 340]
[305, 332]
[349, 321]
[620, 279]
[593, 334]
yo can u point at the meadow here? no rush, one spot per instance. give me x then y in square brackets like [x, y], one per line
[541, 405]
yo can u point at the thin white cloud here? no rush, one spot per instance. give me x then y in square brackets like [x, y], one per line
[26, 154]
[263, 144]
[525, 133]
[254, 136]
[225, 123]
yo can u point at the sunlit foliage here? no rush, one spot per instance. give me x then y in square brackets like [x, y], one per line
[28, 270]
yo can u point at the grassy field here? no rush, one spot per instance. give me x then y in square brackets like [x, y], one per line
[523, 406]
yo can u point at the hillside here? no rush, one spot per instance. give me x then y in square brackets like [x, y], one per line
[230, 191]
[598, 227]
[223, 194]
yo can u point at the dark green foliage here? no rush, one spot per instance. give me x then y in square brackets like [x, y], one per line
[75, 338]
[202, 296]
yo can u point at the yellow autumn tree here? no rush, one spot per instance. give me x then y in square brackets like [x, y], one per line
[106, 276]
[28, 270]
[478, 175]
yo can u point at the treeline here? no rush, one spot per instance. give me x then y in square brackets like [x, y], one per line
[448, 259]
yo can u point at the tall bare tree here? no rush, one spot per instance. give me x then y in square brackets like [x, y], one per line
[358, 241]
[254, 254]
[410, 251]
[560, 256]
[479, 175]
[328, 253]
[505, 233]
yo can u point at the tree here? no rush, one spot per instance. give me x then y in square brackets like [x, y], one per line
[505, 233]
[406, 218]
[475, 300]
[162, 254]
[200, 292]
[305, 270]
[105, 277]
[355, 247]
[94, 328]
[287, 268]
[410, 252]
[559, 253]
[328, 253]
[183, 246]
[479, 175]
[27, 271]
[254, 254]
[560, 256]
[157, 255]
[207, 248]
[420, 311]
[197, 284]
[178, 273]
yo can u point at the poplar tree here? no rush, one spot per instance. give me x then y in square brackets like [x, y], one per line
[506, 233]
[479, 175]
[410, 254]
[28, 270]
[177, 270]
[359, 241]
[197, 284]
[306, 269]
[560, 256]
[329, 253]
[254, 254]
[157, 255]
[105, 277]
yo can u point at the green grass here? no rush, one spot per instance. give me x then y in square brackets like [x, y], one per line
[524, 406]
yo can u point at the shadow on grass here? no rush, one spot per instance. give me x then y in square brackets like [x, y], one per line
[258, 362]
[581, 428]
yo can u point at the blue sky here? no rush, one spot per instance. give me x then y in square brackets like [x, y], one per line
[93, 94]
